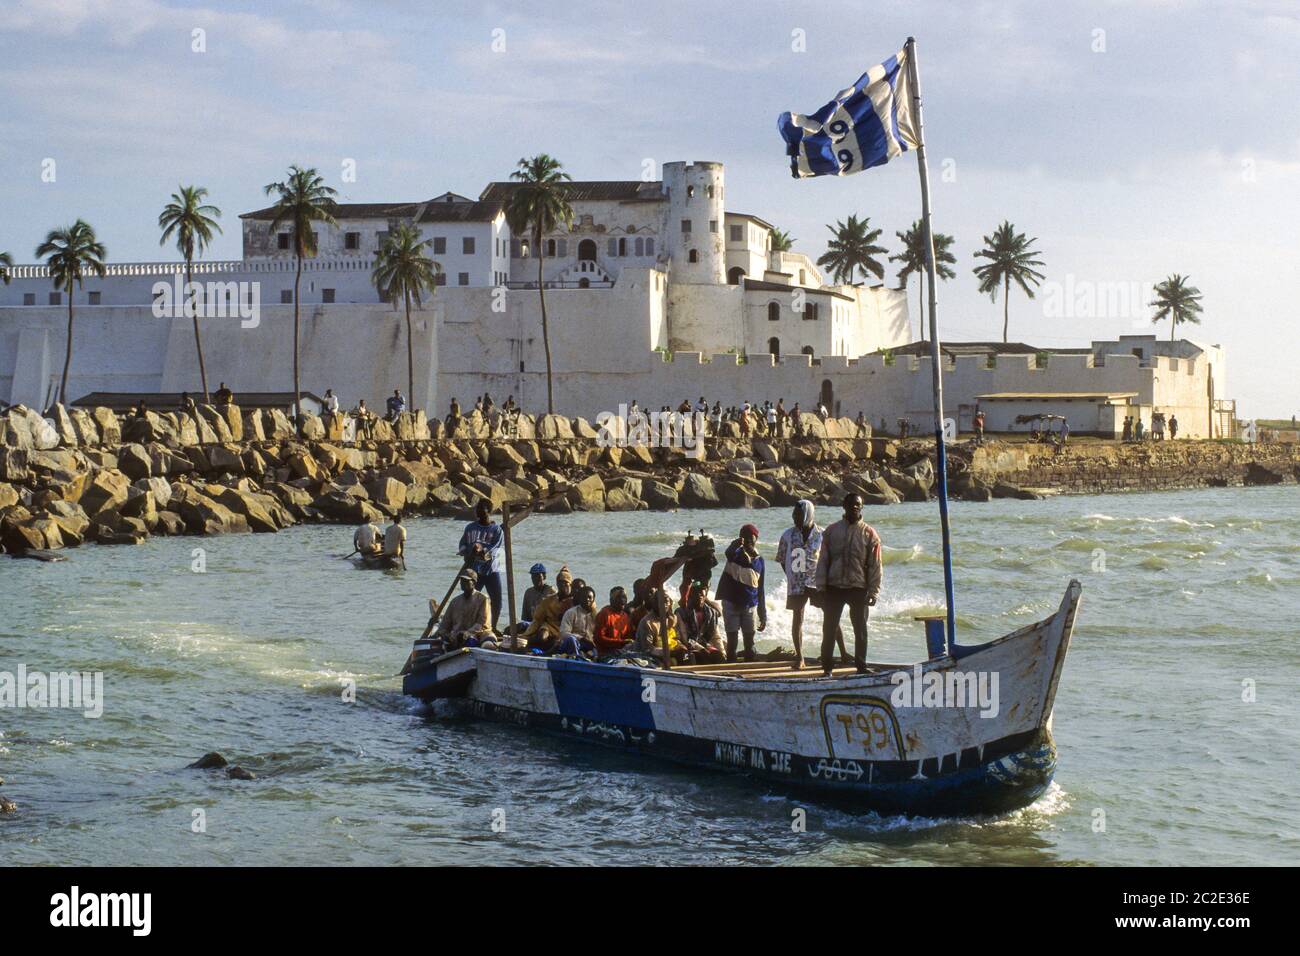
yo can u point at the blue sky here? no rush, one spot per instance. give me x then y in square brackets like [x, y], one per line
[1168, 141]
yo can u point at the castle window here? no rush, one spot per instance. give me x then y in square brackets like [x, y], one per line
[649, 247]
[806, 350]
[92, 298]
[327, 295]
[622, 247]
[810, 311]
[352, 240]
[286, 297]
[774, 345]
[550, 247]
[29, 298]
[440, 278]
[640, 247]
[439, 245]
[282, 240]
[686, 225]
[587, 250]
[693, 256]
[564, 248]
[584, 283]
[803, 277]
[467, 245]
[690, 192]
[737, 233]
[611, 248]
[713, 225]
[710, 192]
[735, 275]
[55, 298]
[774, 312]
[462, 278]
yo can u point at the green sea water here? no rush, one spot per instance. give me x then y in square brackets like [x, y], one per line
[1176, 717]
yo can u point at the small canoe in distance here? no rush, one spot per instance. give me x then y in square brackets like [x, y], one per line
[983, 745]
[379, 562]
[40, 554]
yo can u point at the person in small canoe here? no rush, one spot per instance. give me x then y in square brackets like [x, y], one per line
[697, 628]
[395, 539]
[544, 630]
[578, 626]
[848, 575]
[741, 591]
[649, 640]
[613, 624]
[534, 596]
[465, 619]
[367, 540]
[483, 547]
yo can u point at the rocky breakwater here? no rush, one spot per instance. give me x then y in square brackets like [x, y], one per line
[82, 476]
[1090, 467]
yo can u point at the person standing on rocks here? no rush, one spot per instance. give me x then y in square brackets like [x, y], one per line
[848, 575]
[742, 592]
[482, 547]
[979, 427]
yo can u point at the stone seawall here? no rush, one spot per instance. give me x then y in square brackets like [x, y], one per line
[95, 476]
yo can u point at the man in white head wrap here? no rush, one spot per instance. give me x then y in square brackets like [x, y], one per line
[797, 553]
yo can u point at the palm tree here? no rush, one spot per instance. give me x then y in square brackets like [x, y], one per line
[853, 250]
[72, 251]
[192, 222]
[540, 204]
[6, 263]
[1178, 301]
[782, 241]
[403, 270]
[1010, 258]
[913, 257]
[302, 199]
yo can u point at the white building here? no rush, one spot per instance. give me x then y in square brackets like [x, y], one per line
[655, 292]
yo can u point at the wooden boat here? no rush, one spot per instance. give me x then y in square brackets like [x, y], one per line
[379, 562]
[849, 735]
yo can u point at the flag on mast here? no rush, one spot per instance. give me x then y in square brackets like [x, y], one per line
[866, 125]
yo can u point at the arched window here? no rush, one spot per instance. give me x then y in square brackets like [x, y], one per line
[649, 247]
[693, 256]
[550, 247]
[774, 312]
[690, 192]
[584, 283]
[774, 345]
[640, 247]
[622, 247]
[807, 350]
[735, 275]
[587, 250]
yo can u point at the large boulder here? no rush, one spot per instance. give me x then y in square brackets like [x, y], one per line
[20, 427]
[417, 472]
[313, 429]
[84, 425]
[550, 427]
[134, 461]
[204, 515]
[63, 425]
[388, 495]
[621, 499]
[14, 464]
[110, 429]
[263, 512]
[234, 420]
[71, 519]
[501, 457]
[588, 494]
[698, 492]
[347, 508]
[106, 490]
[225, 459]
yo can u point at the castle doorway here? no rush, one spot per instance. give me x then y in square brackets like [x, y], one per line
[587, 250]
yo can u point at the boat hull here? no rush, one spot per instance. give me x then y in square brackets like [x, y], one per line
[859, 738]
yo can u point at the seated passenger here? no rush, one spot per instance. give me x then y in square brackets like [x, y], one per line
[465, 620]
[578, 626]
[367, 539]
[535, 594]
[613, 624]
[544, 630]
[697, 628]
[649, 635]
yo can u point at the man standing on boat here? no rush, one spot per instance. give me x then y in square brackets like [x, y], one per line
[395, 540]
[482, 547]
[797, 553]
[848, 575]
[741, 592]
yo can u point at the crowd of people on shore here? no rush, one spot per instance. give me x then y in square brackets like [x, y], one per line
[1135, 430]
[836, 568]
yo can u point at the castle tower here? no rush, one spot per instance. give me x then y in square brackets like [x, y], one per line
[695, 198]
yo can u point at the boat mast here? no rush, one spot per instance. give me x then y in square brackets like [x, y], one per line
[936, 369]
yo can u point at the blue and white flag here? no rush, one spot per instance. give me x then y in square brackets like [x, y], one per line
[866, 125]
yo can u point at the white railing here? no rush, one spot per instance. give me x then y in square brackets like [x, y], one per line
[206, 267]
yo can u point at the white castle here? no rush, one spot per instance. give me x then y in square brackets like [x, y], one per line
[656, 292]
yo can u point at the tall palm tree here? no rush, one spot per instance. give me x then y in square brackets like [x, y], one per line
[1177, 301]
[782, 241]
[6, 263]
[1010, 259]
[302, 199]
[402, 270]
[913, 257]
[853, 250]
[192, 223]
[540, 204]
[72, 251]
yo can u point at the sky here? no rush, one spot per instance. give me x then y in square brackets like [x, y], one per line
[1132, 139]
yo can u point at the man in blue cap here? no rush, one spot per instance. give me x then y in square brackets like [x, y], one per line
[535, 594]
